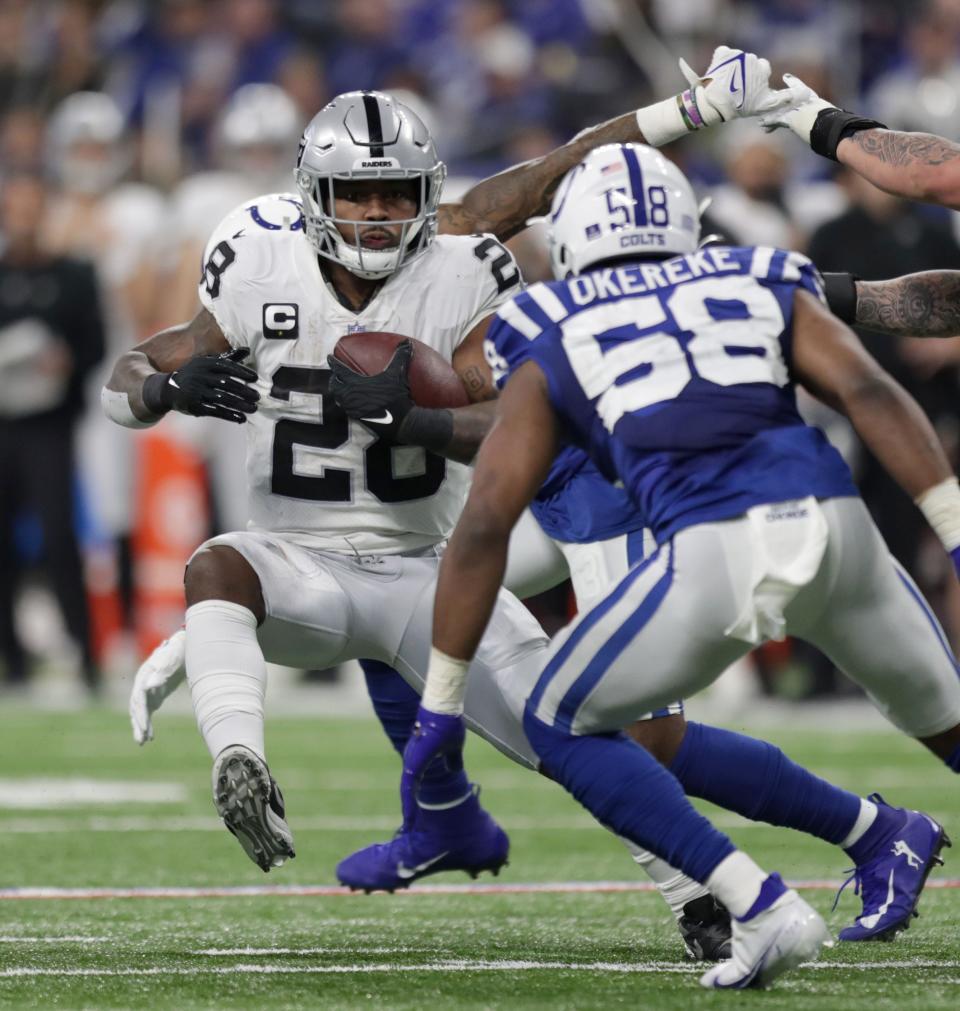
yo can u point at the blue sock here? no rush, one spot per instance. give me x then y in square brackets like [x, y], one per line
[953, 762]
[757, 780]
[396, 704]
[629, 791]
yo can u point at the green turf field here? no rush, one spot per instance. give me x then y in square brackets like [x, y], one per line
[434, 951]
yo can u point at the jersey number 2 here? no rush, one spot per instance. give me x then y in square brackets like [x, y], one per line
[335, 484]
[505, 272]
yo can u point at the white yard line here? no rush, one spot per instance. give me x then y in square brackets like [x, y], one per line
[451, 965]
[336, 891]
[54, 939]
[247, 952]
[44, 792]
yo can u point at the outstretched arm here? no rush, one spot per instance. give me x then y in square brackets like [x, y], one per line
[925, 304]
[830, 361]
[502, 204]
[919, 166]
[735, 85]
[915, 305]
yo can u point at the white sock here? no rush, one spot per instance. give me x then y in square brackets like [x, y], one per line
[227, 675]
[675, 887]
[736, 882]
[866, 817]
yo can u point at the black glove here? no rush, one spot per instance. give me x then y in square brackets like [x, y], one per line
[381, 402]
[213, 386]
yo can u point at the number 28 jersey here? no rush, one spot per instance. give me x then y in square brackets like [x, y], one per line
[675, 377]
[313, 474]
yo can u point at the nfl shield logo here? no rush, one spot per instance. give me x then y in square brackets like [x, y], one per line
[356, 328]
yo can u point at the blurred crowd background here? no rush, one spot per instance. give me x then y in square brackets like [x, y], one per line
[129, 128]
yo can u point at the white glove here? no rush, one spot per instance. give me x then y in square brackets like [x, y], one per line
[736, 85]
[159, 675]
[798, 111]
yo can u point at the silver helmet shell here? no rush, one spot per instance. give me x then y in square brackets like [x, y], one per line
[86, 137]
[365, 135]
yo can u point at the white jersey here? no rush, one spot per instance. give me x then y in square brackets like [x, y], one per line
[314, 475]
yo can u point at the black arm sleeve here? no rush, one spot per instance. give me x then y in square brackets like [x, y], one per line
[841, 292]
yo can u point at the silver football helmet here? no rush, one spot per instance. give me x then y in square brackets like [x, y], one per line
[367, 135]
[259, 114]
[87, 140]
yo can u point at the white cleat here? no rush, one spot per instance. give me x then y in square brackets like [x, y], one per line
[249, 801]
[771, 943]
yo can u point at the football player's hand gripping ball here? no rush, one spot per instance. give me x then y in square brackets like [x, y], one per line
[435, 737]
[381, 402]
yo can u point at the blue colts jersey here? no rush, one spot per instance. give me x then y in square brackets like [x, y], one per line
[675, 378]
[578, 505]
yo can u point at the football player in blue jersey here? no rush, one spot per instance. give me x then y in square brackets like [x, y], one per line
[677, 377]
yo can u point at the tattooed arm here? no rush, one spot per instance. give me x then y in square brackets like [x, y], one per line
[916, 305]
[502, 203]
[920, 166]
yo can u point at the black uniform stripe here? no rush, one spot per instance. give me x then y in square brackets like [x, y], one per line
[374, 125]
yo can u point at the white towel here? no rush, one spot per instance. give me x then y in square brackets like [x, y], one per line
[788, 541]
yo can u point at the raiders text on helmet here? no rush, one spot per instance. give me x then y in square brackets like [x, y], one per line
[367, 135]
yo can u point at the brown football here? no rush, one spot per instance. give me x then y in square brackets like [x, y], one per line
[433, 383]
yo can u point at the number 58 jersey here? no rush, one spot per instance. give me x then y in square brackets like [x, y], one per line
[675, 377]
[313, 474]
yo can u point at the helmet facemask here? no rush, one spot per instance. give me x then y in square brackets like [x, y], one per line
[339, 239]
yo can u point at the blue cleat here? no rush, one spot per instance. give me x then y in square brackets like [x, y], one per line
[461, 838]
[890, 882]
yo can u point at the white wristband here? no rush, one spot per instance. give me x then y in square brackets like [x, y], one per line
[941, 506]
[116, 406]
[672, 118]
[446, 684]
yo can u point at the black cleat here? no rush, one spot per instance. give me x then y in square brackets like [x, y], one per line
[705, 929]
[249, 801]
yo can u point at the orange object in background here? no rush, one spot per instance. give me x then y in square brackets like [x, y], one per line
[103, 601]
[172, 519]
